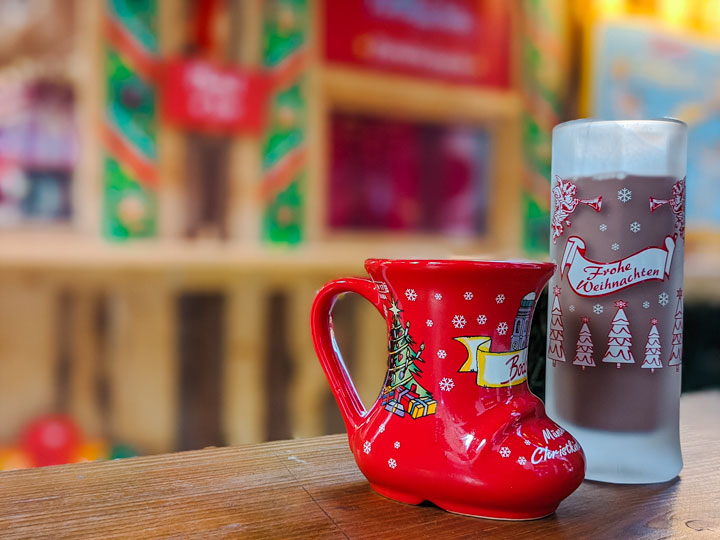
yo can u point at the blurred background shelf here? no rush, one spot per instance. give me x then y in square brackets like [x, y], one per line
[222, 262]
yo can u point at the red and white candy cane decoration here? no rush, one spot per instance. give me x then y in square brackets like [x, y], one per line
[565, 204]
[677, 205]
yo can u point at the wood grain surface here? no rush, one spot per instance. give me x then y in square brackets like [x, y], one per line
[312, 489]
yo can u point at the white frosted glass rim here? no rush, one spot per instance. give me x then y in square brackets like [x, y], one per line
[652, 123]
[593, 147]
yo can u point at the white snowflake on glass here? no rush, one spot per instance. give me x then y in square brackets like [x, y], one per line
[459, 321]
[505, 451]
[441, 353]
[396, 445]
[502, 328]
[663, 299]
[603, 227]
[381, 428]
[438, 296]
[468, 295]
[522, 460]
[446, 384]
[571, 307]
[367, 447]
[482, 319]
[635, 227]
[646, 304]
[392, 463]
[527, 442]
[624, 195]
[429, 323]
[597, 309]
[500, 298]
[615, 246]
[410, 294]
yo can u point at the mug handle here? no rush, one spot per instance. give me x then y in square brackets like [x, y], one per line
[341, 384]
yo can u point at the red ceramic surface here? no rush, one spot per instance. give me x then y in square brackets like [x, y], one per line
[455, 422]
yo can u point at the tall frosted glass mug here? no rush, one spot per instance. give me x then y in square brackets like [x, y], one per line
[615, 321]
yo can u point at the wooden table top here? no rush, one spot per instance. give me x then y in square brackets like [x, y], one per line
[312, 489]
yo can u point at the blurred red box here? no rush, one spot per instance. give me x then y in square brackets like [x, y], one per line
[202, 96]
[461, 41]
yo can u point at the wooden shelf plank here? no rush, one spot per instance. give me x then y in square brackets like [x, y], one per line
[70, 254]
[419, 99]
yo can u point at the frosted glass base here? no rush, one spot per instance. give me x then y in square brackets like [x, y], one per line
[629, 458]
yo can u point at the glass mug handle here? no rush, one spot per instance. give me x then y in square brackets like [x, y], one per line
[341, 384]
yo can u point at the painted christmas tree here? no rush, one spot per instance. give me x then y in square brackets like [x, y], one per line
[653, 350]
[584, 347]
[677, 335]
[555, 341]
[402, 358]
[619, 338]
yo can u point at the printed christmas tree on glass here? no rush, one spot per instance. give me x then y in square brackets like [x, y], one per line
[619, 338]
[653, 350]
[402, 358]
[555, 347]
[584, 348]
[677, 334]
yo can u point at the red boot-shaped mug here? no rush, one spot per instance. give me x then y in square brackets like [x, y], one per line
[455, 422]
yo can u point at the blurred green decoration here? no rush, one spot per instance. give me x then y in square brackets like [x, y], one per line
[130, 208]
[139, 18]
[536, 226]
[122, 451]
[283, 218]
[130, 169]
[286, 127]
[131, 105]
[545, 82]
[285, 26]
[284, 29]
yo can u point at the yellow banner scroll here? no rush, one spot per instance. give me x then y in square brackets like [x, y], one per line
[494, 369]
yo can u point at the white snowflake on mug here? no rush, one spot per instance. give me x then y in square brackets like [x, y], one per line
[500, 298]
[438, 296]
[429, 323]
[482, 319]
[381, 428]
[527, 442]
[446, 384]
[635, 227]
[597, 309]
[441, 353]
[505, 451]
[459, 321]
[502, 328]
[396, 445]
[367, 447]
[522, 460]
[468, 295]
[571, 307]
[663, 299]
[646, 304]
[410, 294]
[392, 463]
[615, 246]
[624, 195]
[603, 227]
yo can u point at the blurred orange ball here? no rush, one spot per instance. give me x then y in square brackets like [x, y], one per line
[13, 458]
[92, 450]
